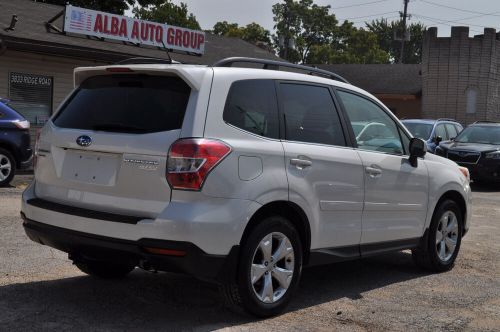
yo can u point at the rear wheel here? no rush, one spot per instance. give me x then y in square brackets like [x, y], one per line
[104, 270]
[7, 167]
[440, 250]
[269, 269]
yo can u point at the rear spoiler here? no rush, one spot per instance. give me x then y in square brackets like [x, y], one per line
[192, 75]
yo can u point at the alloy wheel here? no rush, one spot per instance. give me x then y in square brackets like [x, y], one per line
[273, 266]
[446, 236]
[5, 167]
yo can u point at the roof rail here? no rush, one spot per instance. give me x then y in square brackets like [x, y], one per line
[145, 60]
[275, 65]
[446, 119]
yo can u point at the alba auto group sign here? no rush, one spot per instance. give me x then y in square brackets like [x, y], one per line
[104, 25]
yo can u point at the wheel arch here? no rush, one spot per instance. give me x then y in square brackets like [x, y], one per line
[288, 210]
[457, 198]
[10, 148]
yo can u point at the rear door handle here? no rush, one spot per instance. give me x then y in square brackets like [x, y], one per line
[300, 163]
[373, 171]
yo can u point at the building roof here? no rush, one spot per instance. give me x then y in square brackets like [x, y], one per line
[381, 78]
[31, 34]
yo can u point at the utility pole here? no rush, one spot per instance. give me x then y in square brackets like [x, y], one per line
[403, 37]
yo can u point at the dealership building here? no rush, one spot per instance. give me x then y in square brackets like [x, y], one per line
[38, 54]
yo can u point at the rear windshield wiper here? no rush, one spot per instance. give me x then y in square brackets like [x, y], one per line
[118, 127]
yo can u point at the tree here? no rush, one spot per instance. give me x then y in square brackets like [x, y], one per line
[252, 33]
[301, 25]
[354, 46]
[385, 35]
[110, 6]
[164, 11]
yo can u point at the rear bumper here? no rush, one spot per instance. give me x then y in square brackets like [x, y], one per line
[85, 246]
[28, 163]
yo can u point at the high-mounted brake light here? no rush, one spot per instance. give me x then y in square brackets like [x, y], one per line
[119, 70]
[190, 160]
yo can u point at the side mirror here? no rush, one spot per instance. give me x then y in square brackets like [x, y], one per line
[438, 139]
[417, 150]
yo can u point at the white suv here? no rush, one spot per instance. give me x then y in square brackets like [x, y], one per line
[237, 175]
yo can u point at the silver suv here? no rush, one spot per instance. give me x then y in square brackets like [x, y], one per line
[237, 175]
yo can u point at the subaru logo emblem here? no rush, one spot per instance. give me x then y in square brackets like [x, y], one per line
[84, 140]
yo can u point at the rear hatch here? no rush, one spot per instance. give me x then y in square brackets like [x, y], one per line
[106, 148]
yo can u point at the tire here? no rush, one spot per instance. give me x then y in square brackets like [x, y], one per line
[104, 270]
[274, 282]
[7, 167]
[437, 253]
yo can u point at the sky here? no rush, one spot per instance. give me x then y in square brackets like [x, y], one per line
[476, 14]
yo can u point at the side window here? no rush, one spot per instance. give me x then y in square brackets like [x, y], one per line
[440, 131]
[452, 131]
[373, 128]
[252, 106]
[310, 115]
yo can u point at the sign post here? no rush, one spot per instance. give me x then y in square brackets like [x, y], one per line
[99, 24]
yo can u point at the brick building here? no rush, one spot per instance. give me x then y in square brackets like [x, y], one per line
[461, 75]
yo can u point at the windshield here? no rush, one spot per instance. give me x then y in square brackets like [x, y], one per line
[419, 130]
[126, 103]
[480, 134]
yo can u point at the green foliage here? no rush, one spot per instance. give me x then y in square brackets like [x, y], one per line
[252, 33]
[385, 34]
[164, 11]
[317, 37]
[110, 6]
[304, 25]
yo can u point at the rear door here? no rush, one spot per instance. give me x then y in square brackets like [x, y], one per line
[396, 193]
[106, 148]
[324, 175]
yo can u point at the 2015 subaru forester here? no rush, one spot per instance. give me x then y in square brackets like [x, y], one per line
[237, 175]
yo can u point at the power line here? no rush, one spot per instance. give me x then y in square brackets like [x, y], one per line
[360, 4]
[441, 22]
[379, 14]
[455, 8]
[386, 18]
[449, 21]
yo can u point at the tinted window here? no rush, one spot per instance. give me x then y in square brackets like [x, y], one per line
[379, 132]
[126, 103]
[310, 115]
[440, 131]
[420, 130]
[480, 134]
[452, 131]
[251, 105]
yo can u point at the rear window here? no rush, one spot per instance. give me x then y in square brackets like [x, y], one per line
[126, 103]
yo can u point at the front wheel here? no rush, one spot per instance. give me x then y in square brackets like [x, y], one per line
[269, 270]
[443, 239]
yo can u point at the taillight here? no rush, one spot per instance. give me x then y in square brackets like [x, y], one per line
[25, 124]
[190, 160]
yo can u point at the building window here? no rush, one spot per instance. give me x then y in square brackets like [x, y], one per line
[31, 95]
[471, 95]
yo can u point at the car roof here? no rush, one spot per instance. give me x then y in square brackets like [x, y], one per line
[485, 124]
[428, 121]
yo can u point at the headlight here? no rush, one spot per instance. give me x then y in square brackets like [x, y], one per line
[492, 155]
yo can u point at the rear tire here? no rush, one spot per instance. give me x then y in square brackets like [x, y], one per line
[441, 246]
[104, 270]
[7, 167]
[269, 268]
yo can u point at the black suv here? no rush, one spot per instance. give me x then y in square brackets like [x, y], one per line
[15, 147]
[477, 147]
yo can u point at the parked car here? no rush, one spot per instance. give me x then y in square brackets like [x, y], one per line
[433, 132]
[478, 149]
[15, 148]
[237, 175]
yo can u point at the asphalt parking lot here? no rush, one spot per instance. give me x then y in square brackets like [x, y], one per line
[41, 290]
